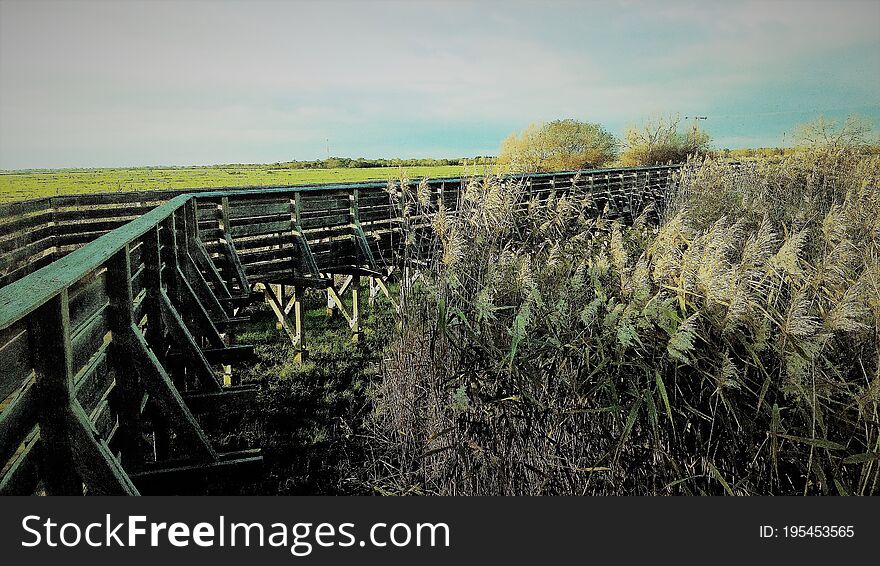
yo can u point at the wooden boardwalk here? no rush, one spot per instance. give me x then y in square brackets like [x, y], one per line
[118, 313]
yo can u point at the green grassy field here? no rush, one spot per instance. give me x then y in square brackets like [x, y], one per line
[33, 184]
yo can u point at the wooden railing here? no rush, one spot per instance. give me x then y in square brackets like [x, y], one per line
[118, 311]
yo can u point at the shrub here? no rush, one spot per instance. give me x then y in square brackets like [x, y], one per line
[661, 141]
[561, 145]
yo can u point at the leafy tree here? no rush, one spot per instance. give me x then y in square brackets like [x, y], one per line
[558, 146]
[662, 140]
[831, 136]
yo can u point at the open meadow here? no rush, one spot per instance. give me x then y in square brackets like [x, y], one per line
[20, 185]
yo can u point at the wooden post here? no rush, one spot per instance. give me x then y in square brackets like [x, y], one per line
[277, 290]
[331, 304]
[374, 291]
[355, 308]
[127, 405]
[52, 355]
[302, 353]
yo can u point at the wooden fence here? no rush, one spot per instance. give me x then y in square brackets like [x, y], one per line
[117, 314]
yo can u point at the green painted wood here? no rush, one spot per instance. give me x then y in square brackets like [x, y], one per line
[206, 265]
[23, 476]
[238, 231]
[96, 381]
[168, 399]
[17, 420]
[247, 211]
[87, 297]
[122, 318]
[95, 463]
[88, 339]
[52, 358]
[16, 355]
[196, 313]
[22, 297]
[185, 340]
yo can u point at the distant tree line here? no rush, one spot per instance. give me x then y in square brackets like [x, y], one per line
[362, 163]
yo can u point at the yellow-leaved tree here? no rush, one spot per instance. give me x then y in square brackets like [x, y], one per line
[663, 140]
[561, 145]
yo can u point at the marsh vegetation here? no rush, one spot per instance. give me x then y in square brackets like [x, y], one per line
[725, 342]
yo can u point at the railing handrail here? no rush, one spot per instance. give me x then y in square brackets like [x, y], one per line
[20, 298]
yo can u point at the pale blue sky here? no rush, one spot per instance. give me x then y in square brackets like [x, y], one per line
[162, 82]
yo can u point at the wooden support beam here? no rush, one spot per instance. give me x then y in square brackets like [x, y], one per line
[198, 314]
[188, 344]
[228, 247]
[185, 477]
[229, 355]
[355, 308]
[127, 404]
[345, 283]
[294, 329]
[374, 291]
[334, 299]
[381, 286]
[94, 461]
[299, 236]
[299, 324]
[230, 399]
[206, 264]
[51, 356]
[167, 398]
[199, 285]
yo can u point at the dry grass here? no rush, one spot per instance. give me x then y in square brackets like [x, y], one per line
[731, 348]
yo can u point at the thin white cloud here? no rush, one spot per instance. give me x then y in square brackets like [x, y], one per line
[130, 82]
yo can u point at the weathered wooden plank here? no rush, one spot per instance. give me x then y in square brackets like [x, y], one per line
[100, 470]
[100, 212]
[230, 399]
[21, 477]
[248, 211]
[33, 265]
[87, 297]
[313, 202]
[18, 208]
[341, 218]
[184, 477]
[151, 197]
[63, 230]
[20, 239]
[17, 420]
[16, 357]
[168, 399]
[88, 339]
[26, 253]
[94, 382]
[52, 358]
[262, 228]
[177, 328]
[11, 225]
[25, 295]
[199, 302]
[263, 241]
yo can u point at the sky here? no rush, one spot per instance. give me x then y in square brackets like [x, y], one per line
[124, 83]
